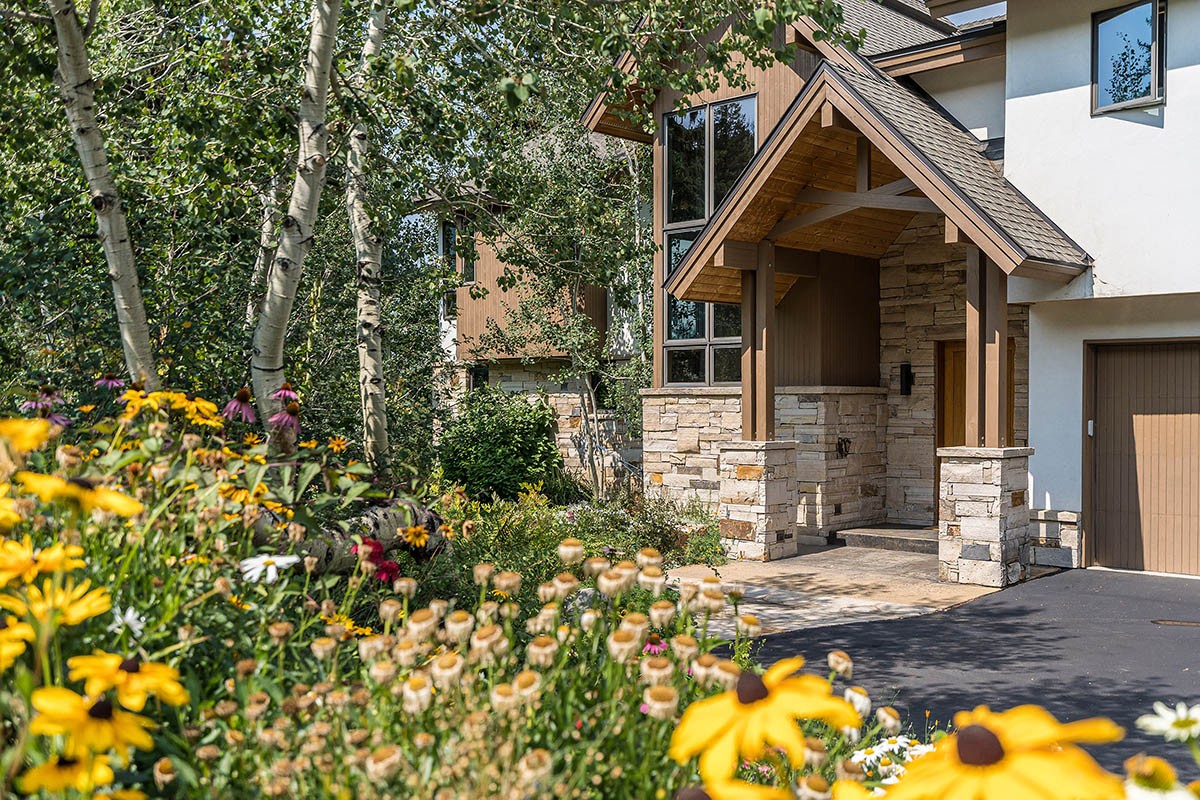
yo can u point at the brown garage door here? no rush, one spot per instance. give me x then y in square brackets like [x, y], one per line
[1146, 489]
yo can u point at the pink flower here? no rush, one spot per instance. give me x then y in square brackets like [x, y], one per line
[644, 708]
[45, 399]
[387, 571]
[110, 381]
[286, 393]
[59, 420]
[372, 548]
[655, 646]
[288, 419]
[240, 406]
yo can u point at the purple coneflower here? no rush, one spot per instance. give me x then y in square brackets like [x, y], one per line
[110, 381]
[655, 646]
[286, 393]
[46, 398]
[240, 406]
[288, 418]
[59, 420]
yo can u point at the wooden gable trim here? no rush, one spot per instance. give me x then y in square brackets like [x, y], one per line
[960, 51]
[945, 8]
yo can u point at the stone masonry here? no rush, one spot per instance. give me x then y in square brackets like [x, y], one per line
[1053, 538]
[983, 532]
[757, 499]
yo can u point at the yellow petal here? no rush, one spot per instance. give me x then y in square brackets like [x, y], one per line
[25, 435]
[741, 790]
[111, 500]
[850, 790]
[780, 670]
[701, 722]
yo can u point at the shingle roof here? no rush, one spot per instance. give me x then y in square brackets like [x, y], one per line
[889, 29]
[958, 156]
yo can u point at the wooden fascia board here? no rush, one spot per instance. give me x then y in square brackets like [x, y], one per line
[960, 52]
[1047, 271]
[597, 117]
[775, 148]
[945, 8]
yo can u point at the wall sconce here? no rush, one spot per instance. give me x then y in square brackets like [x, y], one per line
[906, 378]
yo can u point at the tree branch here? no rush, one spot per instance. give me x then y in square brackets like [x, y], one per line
[27, 16]
[93, 12]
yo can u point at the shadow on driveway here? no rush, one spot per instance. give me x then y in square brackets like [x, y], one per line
[1081, 643]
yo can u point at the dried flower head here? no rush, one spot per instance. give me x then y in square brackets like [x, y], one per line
[570, 551]
[482, 573]
[841, 663]
[684, 647]
[657, 671]
[417, 695]
[324, 647]
[661, 701]
[636, 622]
[565, 584]
[888, 719]
[421, 623]
[541, 651]
[534, 766]
[662, 613]
[383, 763]
[749, 626]
[390, 610]
[447, 670]
[458, 625]
[652, 580]
[623, 645]
[595, 566]
[405, 587]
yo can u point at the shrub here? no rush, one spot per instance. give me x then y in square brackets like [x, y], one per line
[499, 442]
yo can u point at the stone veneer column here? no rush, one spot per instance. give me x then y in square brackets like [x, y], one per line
[983, 526]
[757, 502]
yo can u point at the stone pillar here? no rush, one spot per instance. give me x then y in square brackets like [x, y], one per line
[983, 522]
[757, 507]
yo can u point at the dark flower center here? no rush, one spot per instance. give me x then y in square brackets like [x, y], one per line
[137, 385]
[101, 709]
[3, 623]
[287, 386]
[293, 408]
[654, 639]
[47, 390]
[82, 483]
[750, 689]
[131, 665]
[66, 762]
[243, 395]
[979, 747]
[692, 793]
[109, 376]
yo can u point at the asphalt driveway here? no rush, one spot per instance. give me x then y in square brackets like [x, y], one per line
[1081, 643]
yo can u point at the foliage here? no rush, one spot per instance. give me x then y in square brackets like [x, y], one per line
[498, 443]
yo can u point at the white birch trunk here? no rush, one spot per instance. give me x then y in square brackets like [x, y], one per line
[266, 248]
[368, 247]
[75, 82]
[295, 237]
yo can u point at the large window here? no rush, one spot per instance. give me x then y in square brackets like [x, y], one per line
[707, 148]
[449, 248]
[1127, 56]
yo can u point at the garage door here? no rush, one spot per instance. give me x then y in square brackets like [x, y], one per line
[1146, 489]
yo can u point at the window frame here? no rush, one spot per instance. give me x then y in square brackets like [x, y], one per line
[669, 229]
[1158, 46]
[461, 264]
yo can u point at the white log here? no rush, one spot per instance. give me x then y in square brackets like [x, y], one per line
[296, 232]
[75, 83]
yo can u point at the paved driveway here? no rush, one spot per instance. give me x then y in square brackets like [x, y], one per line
[1081, 643]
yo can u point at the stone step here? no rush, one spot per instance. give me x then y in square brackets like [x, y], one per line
[909, 540]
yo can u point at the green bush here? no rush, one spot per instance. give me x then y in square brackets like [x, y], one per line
[499, 442]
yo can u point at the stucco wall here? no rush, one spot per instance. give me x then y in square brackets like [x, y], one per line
[1124, 184]
[1058, 332]
[973, 93]
[923, 301]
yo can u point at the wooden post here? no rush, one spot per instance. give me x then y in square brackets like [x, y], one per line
[995, 432]
[862, 178]
[748, 360]
[976, 312]
[764, 344]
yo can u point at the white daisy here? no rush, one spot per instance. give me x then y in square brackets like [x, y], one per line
[127, 620]
[265, 568]
[1180, 724]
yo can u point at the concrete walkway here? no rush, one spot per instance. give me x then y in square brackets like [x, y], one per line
[833, 586]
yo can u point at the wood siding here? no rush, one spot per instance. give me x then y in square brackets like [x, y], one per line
[1146, 466]
[474, 313]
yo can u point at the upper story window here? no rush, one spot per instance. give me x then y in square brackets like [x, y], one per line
[448, 247]
[707, 148]
[1127, 56]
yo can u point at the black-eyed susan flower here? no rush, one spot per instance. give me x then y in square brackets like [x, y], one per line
[416, 536]
[133, 679]
[61, 773]
[20, 561]
[23, 436]
[14, 634]
[91, 725]
[69, 604]
[307, 444]
[337, 444]
[10, 515]
[1023, 752]
[81, 493]
[759, 711]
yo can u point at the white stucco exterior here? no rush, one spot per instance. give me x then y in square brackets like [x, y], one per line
[1057, 332]
[973, 93]
[1123, 185]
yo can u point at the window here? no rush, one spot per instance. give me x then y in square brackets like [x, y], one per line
[449, 248]
[1127, 57]
[477, 376]
[706, 149]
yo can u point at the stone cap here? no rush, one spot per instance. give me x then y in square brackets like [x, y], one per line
[736, 391]
[743, 444]
[984, 452]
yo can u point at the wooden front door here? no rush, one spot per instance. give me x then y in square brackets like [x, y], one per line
[1146, 458]
[951, 408]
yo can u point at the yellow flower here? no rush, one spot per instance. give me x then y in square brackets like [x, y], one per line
[133, 679]
[121, 794]
[19, 561]
[135, 401]
[251, 439]
[84, 494]
[24, 435]
[308, 444]
[742, 722]
[1024, 752]
[61, 773]
[13, 636]
[9, 515]
[237, 602]
[70, 604]
[88, 408]
[238, 494]
[416, 535]
[90, 725]
[337, 444]
[346, 622]
[850, 790]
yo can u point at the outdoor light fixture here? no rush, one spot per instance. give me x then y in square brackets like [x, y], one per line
[906, 378]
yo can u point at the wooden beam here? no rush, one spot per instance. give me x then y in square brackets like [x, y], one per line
[764, 344]
[832, 118]
[976, 292]
[802, 263]
[862, 171]
[733, 254]
[866, 200]
[954, 234]
[995, 432]
[829, 212]
[748, 362]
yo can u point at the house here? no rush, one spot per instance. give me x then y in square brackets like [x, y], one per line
[479, 304]
[947, 282]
